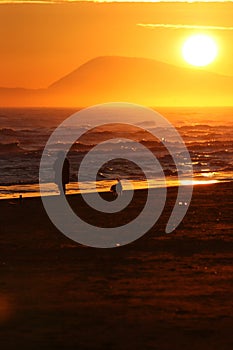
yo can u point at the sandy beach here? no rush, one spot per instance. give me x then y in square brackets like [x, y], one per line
[163, 292]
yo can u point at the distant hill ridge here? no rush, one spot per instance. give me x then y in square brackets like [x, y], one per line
[130, 79]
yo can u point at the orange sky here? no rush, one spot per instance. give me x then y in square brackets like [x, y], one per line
[42, 42]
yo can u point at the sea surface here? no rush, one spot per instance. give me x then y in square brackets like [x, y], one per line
[207, 133]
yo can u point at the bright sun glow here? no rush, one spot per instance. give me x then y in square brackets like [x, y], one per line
[199, 50]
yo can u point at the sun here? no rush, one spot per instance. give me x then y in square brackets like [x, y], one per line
[199, 50]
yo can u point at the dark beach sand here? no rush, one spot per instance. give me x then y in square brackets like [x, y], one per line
[161, 292]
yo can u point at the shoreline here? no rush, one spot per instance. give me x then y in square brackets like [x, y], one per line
[50, 189]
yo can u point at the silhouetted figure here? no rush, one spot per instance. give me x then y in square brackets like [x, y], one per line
[61, 179]
[20, 199]
[117, 189]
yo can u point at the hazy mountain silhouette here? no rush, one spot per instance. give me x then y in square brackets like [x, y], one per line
[138, 80]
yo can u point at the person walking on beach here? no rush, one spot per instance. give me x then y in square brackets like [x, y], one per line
[117, 189]
[61, 179]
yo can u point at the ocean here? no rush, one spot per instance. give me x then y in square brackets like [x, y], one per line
[207, 133]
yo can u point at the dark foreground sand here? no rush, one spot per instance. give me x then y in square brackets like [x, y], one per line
[161, 292]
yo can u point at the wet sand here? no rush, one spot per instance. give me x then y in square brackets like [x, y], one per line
[162, 292]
